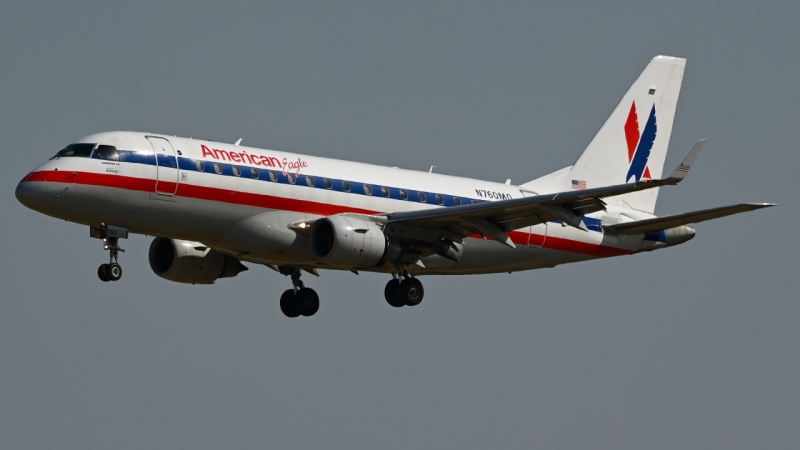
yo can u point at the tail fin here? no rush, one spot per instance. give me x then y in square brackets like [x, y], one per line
[632, 144]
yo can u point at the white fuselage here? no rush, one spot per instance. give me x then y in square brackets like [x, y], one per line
[241, 201]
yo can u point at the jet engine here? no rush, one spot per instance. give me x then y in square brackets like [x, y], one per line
[190, 262]
[352, 242]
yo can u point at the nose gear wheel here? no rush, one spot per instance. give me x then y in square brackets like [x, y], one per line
[111, 271]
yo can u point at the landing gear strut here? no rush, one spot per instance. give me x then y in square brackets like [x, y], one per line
[405, 292]
[111, 271]
[300, 300]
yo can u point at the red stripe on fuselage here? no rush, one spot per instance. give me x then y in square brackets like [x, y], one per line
[194, 191]
[288, 204]
[564, 245]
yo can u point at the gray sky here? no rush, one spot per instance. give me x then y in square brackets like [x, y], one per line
[690, 347]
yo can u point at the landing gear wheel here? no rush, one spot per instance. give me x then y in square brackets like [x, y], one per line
[392, 293]
[307, 302]
[114, 272]
[288, 306]
[411, 291]
[111, 271]
[102, 272]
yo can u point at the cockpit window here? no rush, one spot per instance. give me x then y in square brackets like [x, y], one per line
[108, 152]
[76, 150]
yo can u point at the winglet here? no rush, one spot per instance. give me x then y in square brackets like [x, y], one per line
[683, 169]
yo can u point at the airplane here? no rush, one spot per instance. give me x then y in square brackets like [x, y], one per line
[212, 205]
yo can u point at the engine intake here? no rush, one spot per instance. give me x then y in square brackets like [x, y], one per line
[190, 262]
[350, 242]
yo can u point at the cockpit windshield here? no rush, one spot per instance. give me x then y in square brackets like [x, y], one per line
[76, 150]
[108, 152]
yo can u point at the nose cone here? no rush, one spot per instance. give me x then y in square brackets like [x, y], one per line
[37, 195]
[26, 194]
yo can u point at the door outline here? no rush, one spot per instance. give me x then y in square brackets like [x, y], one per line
[166, 161]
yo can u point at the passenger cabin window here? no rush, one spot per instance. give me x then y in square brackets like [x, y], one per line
[108, 152]
[385, 191]
[403, 194]
[328, 184]
[201, 166]
[368, 189]
[422, 197]
[439, 199]
[310, 181]
[237, 171]
[217, 168]
[346, 186]
[474, 202]
[292, 178]
[254, 173]
[273, 176]
[458, 201]
[76, 150]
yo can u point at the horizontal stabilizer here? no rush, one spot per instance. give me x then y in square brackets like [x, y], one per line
[660, 223]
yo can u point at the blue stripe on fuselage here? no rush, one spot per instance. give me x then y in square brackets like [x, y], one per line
[337, 185]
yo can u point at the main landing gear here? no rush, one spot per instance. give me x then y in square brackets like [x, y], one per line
[111, 271]
[405, 292]
[300, 300]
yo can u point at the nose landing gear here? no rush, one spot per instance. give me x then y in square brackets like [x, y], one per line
[110, 236]
[111, 271]
[300, 300]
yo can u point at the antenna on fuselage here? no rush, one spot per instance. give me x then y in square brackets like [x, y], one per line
[431, 169]
[238, 142]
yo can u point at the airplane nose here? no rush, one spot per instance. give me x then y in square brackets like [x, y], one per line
[31, 194]
[23, 192]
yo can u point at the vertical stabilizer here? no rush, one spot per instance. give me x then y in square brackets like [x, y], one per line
[632, 144]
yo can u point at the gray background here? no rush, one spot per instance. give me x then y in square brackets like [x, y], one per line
[691, 347]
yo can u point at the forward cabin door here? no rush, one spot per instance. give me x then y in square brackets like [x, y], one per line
[537, 234]
[166, 166]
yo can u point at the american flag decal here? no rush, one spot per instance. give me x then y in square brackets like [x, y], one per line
[579, 185]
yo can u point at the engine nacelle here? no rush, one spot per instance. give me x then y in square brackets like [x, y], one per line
[190, 262]
[347, 241]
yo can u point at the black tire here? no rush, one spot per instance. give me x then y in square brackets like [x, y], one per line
[392, 294]
[288, 306]
[411, 291]
[114, 272]
[307, 302]
[102, 272]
